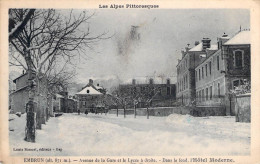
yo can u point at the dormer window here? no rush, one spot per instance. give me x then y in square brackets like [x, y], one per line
[238, 58]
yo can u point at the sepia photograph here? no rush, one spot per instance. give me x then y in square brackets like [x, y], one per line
[126, 80]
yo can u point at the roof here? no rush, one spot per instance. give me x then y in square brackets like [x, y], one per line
[19, 77]
[59, 96]
[197, 48]
[146, 80]
[99, 87]
[89, 90]
[243, 37]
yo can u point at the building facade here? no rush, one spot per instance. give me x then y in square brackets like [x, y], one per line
[89, 98]
[219, 70]
[20, 96]
[186, 94]
[144, 89]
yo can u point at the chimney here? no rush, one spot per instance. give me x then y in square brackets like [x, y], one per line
[205, 43]
[222, 40]
[187, 48]
[196, 43]
[90, 81]
[133, 81]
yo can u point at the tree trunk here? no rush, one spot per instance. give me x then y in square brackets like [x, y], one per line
[147, 111]
[117, 111]
[124, 110]
[38, 118]
[30, 122]
[135, 111]
[30, 111]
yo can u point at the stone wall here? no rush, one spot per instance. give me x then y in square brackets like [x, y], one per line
[166, 111]
[204, 111]
[243, 108]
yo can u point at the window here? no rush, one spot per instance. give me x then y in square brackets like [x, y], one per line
[210, 92]
[210, 67]
[196, 78]
[199, 74]
[219, 90]
[207, 92]
[202, 94]
[238, 58]
[202, 72]
[184, 82]
[206, 69]
[235, 84]
[187, 81]
[218, 62]
[168, 90]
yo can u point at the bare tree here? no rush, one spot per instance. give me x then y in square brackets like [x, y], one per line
[46, 42]
[133, 98]
[18, 20]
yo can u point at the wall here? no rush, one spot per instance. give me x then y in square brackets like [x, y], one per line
[21, 81]
[211, 79]
[72, 106]
[166, 111]
[88, 102]
[161, 99]
[19, 100]
[243, 108]
[186, 75]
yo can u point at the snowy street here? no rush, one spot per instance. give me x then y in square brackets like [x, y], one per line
[98, 135]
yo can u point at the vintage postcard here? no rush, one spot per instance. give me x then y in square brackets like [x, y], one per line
[129, 82]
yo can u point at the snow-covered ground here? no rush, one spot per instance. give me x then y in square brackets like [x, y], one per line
[99, 135]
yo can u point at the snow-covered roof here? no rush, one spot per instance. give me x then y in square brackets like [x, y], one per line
[99, 87]
[197, 48]
[89, 91]
[200, 48]
[242, 37]
[213, 47]
[59, 96]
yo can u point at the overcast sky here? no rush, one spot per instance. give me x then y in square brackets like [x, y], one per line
[163, 34]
